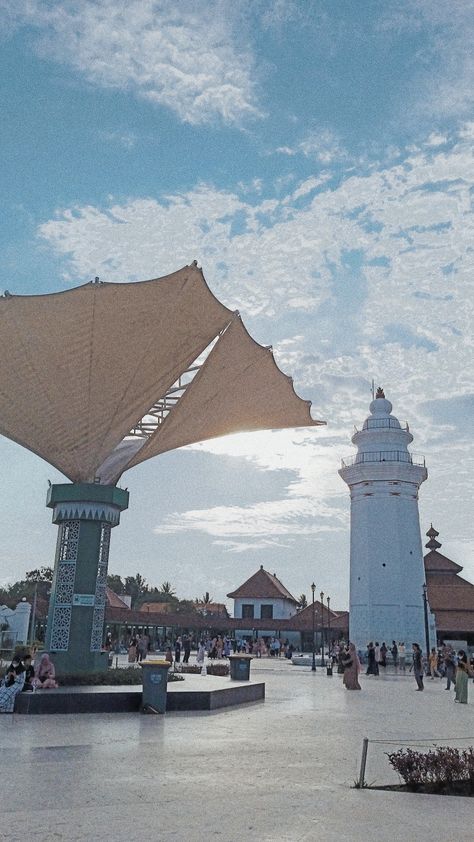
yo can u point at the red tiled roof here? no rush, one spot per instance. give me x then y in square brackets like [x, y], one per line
[438, 563]
[114, 600]
[262, 585]
[156, 607]
[455, 595]
[454, 621]
[212, 608]
[303, 621]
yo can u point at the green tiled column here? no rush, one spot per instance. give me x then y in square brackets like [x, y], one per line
[85, 513]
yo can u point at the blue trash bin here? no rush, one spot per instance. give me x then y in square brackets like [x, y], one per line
[240, 667]
[155, 678]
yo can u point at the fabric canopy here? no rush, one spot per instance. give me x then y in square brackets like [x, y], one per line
[239, 388]
[81, 368]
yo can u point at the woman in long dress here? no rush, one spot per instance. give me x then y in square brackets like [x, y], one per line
[351, 664]
[461, 683]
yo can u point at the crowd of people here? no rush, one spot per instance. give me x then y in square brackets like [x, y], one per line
[220, 646]
[23, 676]
[443, 662]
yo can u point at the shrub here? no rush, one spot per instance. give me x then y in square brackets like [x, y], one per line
[108, 678]
[218, 669]
[195, 669]
[438, 770]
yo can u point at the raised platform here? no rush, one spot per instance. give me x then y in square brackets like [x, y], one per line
[193, 697]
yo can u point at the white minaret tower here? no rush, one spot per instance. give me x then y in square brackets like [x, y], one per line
[386, 570]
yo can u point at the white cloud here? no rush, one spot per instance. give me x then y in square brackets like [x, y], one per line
[321, 145]
[126, 139]
[184, 56]
[382, 264]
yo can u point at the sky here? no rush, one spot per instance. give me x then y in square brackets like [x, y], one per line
[316, 160]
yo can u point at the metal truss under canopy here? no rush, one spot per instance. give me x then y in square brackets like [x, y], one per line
[103, 376]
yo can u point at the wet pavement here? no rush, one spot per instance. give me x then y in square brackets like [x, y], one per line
[281, 770]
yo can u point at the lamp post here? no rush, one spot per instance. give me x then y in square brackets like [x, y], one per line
[427, 631]
[313, 665]
[323, 662]
[329, 666]
[33, 615]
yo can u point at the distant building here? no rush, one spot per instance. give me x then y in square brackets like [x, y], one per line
[263, 597]
[450, 596]
[212, 609]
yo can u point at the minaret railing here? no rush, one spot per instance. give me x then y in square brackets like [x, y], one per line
[384, 456]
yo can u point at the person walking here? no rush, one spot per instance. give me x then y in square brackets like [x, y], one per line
[186, 649]
[177, 650]
[383, 655]
[351, 665]
[394, 652]
[449, 667]
[433, 663]
[418, 666]
[201, 653]
[402, 656]
[372, 665]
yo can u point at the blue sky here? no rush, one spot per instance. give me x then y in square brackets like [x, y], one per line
[316, 159]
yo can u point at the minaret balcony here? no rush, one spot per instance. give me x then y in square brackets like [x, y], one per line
[384, 456]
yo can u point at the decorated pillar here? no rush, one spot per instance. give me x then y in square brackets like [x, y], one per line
[85, 514]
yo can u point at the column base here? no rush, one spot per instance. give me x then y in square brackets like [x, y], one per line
[66, 663]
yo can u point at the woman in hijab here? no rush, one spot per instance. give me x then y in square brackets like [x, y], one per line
[45, 674]
[351, 665]
[11, 685]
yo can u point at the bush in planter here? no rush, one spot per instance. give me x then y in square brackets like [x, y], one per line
[195, 669]
[441, 769]
[218, 669]
[114, 678]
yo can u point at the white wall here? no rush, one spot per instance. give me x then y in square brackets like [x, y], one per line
[282, 608]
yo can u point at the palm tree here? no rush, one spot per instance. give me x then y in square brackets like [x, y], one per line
[166, 588]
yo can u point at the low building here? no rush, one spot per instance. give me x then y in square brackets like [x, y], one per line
[263, 597]
[451, 598]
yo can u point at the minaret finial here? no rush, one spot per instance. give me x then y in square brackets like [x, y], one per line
[432, 534]
[380, 392]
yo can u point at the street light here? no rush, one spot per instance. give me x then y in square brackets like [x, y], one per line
[313, 665]
[323, 662]
[329, 666]
[427, 631]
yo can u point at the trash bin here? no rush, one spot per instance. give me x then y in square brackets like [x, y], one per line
[155, 677]
[240, 667]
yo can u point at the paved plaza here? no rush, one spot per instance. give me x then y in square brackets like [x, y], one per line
[281, 770]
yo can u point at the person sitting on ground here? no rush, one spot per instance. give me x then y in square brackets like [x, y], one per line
[45, 674]
[11, 685]
[29, 674]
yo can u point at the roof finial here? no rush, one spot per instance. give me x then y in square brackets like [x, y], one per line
[432, 534]
[380, 392]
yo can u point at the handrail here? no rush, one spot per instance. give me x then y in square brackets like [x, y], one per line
[384, 456]
[382, 424]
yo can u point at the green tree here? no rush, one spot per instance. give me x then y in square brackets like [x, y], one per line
[204, 600]
[115, 583]
[136, 587]
[166, 588]
[302, 601]
[42, 574]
